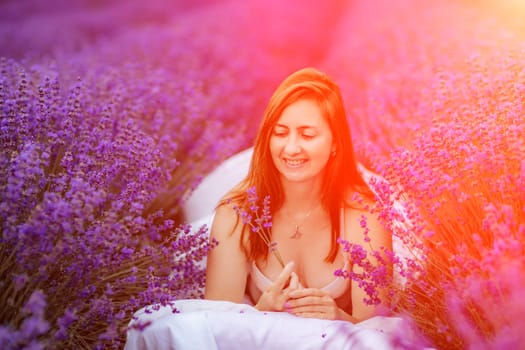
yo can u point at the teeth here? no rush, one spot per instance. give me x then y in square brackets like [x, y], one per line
[294, 162]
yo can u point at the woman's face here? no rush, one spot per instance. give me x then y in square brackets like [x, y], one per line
[301, 142]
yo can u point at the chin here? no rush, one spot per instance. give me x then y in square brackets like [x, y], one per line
[297, 178]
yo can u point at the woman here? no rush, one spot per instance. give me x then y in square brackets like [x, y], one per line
[303, 160]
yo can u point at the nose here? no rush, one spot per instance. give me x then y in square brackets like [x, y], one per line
[292, 145]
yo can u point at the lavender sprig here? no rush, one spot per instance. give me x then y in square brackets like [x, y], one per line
[259, 220]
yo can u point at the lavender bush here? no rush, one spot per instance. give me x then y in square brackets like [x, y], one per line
[438, 109]
[77, 254]
[100, 145]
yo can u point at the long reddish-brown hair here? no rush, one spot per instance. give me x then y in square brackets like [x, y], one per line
[341, 176]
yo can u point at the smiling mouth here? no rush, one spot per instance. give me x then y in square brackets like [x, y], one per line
[294, 163]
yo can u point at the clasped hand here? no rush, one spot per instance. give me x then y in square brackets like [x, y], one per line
[274, 298]
[287, 294]
[312, 303]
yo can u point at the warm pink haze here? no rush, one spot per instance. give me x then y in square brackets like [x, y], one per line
[113, 112]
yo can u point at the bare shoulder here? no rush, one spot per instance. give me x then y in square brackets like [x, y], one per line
[363, 226]
[358, 201]
[226, 222]
[226, 269]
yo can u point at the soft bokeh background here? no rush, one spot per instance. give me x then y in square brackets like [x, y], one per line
[113, 111]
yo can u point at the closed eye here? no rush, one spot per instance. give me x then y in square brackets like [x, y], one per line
[308, 136]
[280, 131]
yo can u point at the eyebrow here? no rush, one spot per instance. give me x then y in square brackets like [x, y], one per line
[302, 127]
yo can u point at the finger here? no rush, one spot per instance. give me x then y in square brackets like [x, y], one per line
[284, 276]
[307, 302]
[307, 309]
[294, 281]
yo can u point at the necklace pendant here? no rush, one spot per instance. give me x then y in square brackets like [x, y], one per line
[297, 234]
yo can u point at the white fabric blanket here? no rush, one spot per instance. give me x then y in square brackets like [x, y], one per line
[206, 324]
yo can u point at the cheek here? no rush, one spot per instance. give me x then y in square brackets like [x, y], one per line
[324, 158]
[322, 150]
[275, 148]
[276, 144]
[272, 145]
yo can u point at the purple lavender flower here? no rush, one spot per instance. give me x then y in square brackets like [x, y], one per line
[259, 220]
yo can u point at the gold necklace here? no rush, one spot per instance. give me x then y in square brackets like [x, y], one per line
[297, 233]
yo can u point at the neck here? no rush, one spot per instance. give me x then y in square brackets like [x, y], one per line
[301, 197]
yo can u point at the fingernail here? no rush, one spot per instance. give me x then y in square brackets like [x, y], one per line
[287, 305]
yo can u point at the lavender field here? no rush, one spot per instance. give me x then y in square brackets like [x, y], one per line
[113, 112]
